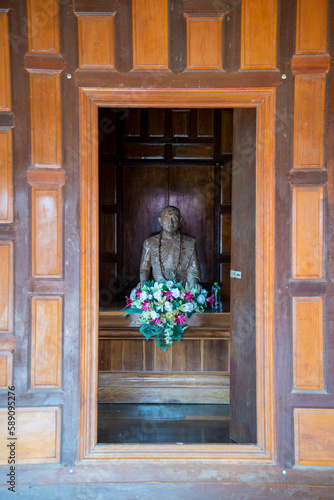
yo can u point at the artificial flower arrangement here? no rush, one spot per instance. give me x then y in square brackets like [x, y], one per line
[164, 307]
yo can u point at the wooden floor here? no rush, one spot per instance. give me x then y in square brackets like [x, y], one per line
[163, 423]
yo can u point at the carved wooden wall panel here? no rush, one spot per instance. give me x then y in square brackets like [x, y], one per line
[308, 344]
[308, 232]
[150, 34]
[311, 29]
[46, 232]
[43, 31]
[5, 94]
[314, 436]
[96, 41]
[45, 119]
[309, 125]
[6, 177]
[6, 287]
[38, 435]
[46, 342]
[6, 369]
[258, 34]
[204, 42]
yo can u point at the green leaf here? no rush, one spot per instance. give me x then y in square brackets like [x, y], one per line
[147, 331]
[131, 310]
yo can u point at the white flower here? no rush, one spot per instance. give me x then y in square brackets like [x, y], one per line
[133, 294]
[154, 315]
[188, 307]
[157, 295]
[175, 292]
[201, 299]
[204, 292]
[169, 284]
[168, 306]
[143, 295]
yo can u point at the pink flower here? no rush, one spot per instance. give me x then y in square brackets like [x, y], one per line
[128, 301]
[138, 292]
[188, 296]
[146, 305]
[211, 300]
[169, 295]
[157, 321]
[180, 318]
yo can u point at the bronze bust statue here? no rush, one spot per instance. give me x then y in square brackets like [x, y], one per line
[171, 254]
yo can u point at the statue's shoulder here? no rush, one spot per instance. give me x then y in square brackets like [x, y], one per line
[190, 241]
[152, 241]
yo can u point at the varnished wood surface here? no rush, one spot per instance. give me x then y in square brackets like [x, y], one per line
[311, 32]
[96, 41]
[6, 177]
[204, 42]
[5, 92]
[6, 369]
[6, 286]
[43, 28]
[314, 431]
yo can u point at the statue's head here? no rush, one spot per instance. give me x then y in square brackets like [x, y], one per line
[170, 219]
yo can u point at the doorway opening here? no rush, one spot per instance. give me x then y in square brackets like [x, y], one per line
[150, 158]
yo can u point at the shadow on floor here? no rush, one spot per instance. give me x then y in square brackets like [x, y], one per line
[163, 423]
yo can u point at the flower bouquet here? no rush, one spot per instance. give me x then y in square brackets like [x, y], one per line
[164, 307]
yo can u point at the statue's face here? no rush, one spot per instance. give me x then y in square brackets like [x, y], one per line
[170, 220]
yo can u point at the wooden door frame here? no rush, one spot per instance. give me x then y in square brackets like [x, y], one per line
[264, 100]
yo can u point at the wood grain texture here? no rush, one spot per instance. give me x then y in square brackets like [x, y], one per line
[258, 34]
[311, 26]
[6, 286]
[204, 42]
[37, 433]
[309, 123]
[96, 41]
[46, 232]
[6, 369]
[308, 344]
[150, 34]
[6, 177]
[43, 26]
[5, 91]
[307, 231]
[45, 109]
[314, 436]
[46, 342]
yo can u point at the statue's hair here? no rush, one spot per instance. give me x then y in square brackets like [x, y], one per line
[171, 207]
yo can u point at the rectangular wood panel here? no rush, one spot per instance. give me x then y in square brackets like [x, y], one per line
[150, 34]
[308, 343]
[258, 34]
[46, 232]
[96, 41]
[309, 124]
[5, 94]
[43, 26]
[37, 433]
[6, 177]
[311, 26]
[307, 223]
[6, 286]
[46, 342]
[45, 112]
[314, 436]
[204, 42]
[6, 369]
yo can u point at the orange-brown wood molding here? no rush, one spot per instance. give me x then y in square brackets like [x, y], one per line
[37, 433]
[311, 26]
[45, 109]
[258, 34]
[150, 34]
[96, 41]
[46, 231]
[308, 344]
[307, 230]
[204, 42]
[309, 123]
[6, 177]
[46, 342]
[5, 93]
[6, 287]
[43, 26]
[314, 436]
[6, 368]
